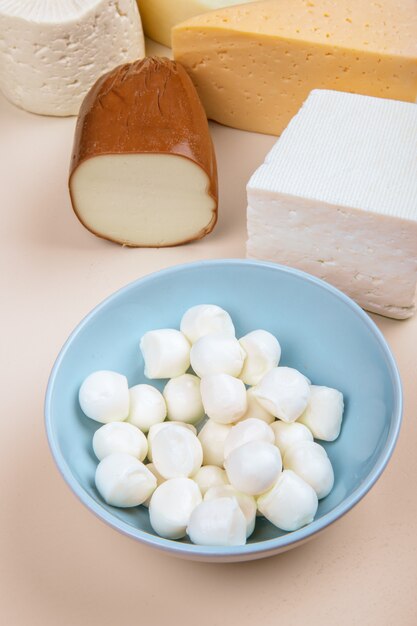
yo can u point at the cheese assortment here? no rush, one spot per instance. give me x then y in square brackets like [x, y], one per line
[143, 170]
[337, 197]
[52, 52]
[211, 487]
[159, 16]
[255, 64]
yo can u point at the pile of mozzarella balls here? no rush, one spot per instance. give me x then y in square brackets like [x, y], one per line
[254, 455]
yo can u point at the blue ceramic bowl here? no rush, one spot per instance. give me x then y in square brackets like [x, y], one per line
[322, 332]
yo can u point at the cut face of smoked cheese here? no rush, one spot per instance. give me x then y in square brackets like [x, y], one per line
[159, 16]
[51, 53]
[337, 197]
[143, 170]
[254, 65]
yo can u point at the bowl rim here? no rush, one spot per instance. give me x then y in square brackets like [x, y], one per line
[249, 550]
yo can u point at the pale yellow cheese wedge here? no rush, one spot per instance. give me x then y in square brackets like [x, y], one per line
[159, 16]
[255, 64]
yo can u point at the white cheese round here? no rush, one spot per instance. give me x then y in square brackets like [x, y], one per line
[218, 522]
[204, 319]
[119, 437]
[287, 434]
[176, 452]
[224, 398]
[310, 461]
[104, 397]
[183, 399]
[210, 476]
[250, 429]
[166, 353]
[217, 353]
[254, 467]
[157, 427]
[147, 407]
[247, 503]
[212, 437]
[284, 392]
[124, 481]
[324, 413]
[263, 352]
[171, 506]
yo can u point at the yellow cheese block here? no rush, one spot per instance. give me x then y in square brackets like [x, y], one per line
[255, 64]
[159, 16]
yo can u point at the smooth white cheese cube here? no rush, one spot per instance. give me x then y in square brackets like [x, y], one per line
[254, 467]
[203, 319]
[255, 410]
[166, 353]
[210, 476]
[147, 407]
[176, 452]
[120, 437]
[104, 397]
[290, 504]
[171, 506]
[310, 461]
[224, 398]
[247, 503]
[218, 522]
[51, 53]
[212, 437]
[250, 429]
[263, 352]
[123, 481]
[324, 413]
[337, 197]
[284, 392]
[287, 434]
[157, 427]
[217, 353]
[183, 399]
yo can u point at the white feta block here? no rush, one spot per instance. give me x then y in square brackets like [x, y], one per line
[337, 197]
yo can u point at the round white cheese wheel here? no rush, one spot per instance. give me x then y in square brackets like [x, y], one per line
[119, 437]
[254, 467]
[263, 352]
[171, 506]
[284, 392]
[290, 504]
[247, 430]
[218, 522]
[255, 410]
[224, 398]
[124, 481]
[286, 434]
[166, 353]
[210, 476]
[157, 427]
[183, 399]
[204, 319]
[147, 407]
[104, 397]
[247, 503]
[212, 437]
[324, 413]
[310, 461]
[51, 53]
[217, 353]
[176, 452]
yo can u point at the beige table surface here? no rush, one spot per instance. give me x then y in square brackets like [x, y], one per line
[59, 565]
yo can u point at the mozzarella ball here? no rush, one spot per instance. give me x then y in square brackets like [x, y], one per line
[254, 467]
[124, 481]
[176, 452]
[284, 392]
[263, 352]
[290, 504]
[310, 461]
[119, 437]
[288, 434]
[324, 413]
[217, 353]
[224, 398]
[104, 397]
[204, 319]
[247, 503]
[171, 506]
[218, 522]
[159, 480]
[166, 353]
[210, 476]
[247, 430]
[212, 437]
[157, 427]
[147, 407]
[183, 399]
[255, 409]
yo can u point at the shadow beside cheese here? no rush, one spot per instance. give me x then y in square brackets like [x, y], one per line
[143, 169]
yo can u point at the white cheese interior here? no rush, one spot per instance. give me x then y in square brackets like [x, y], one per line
[143, 199]
[337, 197]
[51, 52]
